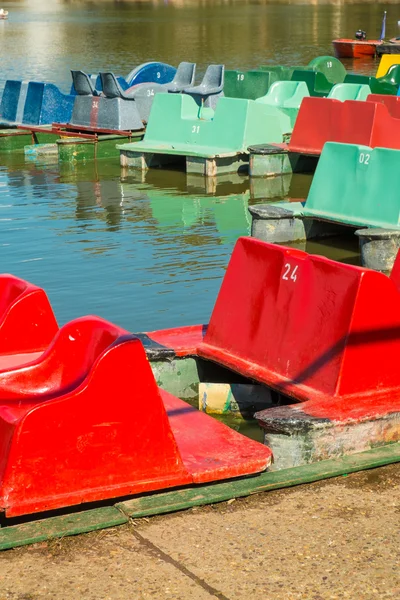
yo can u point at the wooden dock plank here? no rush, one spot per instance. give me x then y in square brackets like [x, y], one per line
[60, 526]
[200, 495]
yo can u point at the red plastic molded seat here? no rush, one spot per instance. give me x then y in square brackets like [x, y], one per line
[322, 120]
[310, 327]
[27, 322]
[392, 103]
[86, 421]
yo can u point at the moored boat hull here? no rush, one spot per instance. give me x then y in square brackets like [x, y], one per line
[347, 48]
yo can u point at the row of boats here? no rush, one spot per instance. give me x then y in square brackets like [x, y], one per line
[91, 412]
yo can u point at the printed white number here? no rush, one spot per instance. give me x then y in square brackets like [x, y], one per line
[290, 275]
[195, 128]
[329, 64]
[240, 76]
[150, 92]
[364, 158]
[158, 75]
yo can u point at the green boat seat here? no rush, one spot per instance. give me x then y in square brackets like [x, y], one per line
[176, 127]
[392, 76]
[287, 96]
[329, 66]
[363, 195]
[248, 84]
[349, 91]
[317, 83]
[388, 84]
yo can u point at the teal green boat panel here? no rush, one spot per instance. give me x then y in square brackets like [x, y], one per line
[330, 67]
[349, 91]
[356, 185]
[281, 72]
[388, 84]
[176, 127]
[317, 83]
[248, 84]
[287, 96]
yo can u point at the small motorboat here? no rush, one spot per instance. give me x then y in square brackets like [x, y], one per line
[348, 48]
[360, 46]
[3, 13]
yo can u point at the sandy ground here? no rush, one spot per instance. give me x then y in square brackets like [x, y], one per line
[334, 539]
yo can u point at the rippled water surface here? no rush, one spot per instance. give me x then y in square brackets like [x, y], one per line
[146, 252]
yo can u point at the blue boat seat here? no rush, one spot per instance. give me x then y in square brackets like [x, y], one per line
[211, 87]
[83, 84]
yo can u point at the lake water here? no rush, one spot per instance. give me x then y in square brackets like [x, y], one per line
[147, 252]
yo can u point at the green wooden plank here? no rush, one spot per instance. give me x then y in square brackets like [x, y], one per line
[111, 516]
[61, 526]
[209, 494]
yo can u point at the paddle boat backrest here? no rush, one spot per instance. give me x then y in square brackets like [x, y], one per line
[27, 321]
[13, 101]
[317, 83]
[83, 84]
[392, 76]
[392, 103]
[112, 88]
[288, 94]
[276, 302]
[387, 60]
[155, 72]
[211, 86]
[10, 289]
[330, 67]
[321, 120]
[349, 91]
[65, 363]
[184, 77]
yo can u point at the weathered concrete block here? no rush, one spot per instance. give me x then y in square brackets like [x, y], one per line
[211, 167]
[269, 165]
[296, 438]
[272, 223]
[378, 247]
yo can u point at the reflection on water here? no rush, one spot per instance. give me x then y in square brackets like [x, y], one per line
[143, 255]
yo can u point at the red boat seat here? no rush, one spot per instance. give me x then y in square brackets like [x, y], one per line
[392, 103]
[322, 120]
[86, 421]
[27, 322]
[64, 364]
[307, 326]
